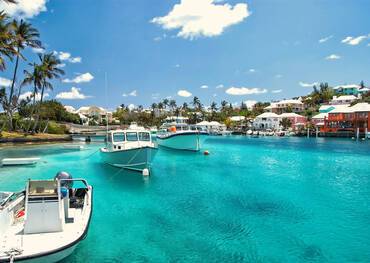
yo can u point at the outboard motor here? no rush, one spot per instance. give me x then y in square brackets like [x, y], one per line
[65, 186]
[64, 175]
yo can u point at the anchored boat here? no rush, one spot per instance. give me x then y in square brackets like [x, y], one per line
[176, 134]
[130, 149]
[46, 221]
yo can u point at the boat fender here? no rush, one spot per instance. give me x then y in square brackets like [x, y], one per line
[206, 152]
[145, 172]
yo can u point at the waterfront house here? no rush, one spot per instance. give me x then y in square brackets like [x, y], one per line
[347, 119]
[267, 120]
[91, 113]
[290, 105]
[297, 121]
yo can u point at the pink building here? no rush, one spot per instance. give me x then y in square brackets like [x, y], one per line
[297, 120]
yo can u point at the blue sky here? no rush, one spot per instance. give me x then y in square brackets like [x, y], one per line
[258, 50]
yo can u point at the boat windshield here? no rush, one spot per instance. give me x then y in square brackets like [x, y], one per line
[144, 136]
[131, 136]
[119, 137]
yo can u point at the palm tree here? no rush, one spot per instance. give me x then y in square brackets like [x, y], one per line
[154, 106]
[24, 36]
[196, 103]
[165, 102]
[49, 69]
[172, 104]
[6, 48]
[213, 106]
[185, 106]
[223, 104]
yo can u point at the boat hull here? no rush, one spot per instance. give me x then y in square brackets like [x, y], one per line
[189, 141]
[134, 159]
[60, 253]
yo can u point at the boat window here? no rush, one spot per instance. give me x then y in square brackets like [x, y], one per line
[131, 136]
[144, 136]
[109, 136]
[118, 137]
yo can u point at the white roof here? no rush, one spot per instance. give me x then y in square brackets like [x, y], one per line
[345, 97]
[322, 115]
[342, 109]
[290, 115]
[361, 107]
[268, 115]
[176, 118]
[216, 123]
[237, 118]
[203, 123]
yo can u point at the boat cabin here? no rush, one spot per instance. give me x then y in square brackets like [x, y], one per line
[126, 139]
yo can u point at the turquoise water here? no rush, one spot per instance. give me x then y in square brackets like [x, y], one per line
[251, 200]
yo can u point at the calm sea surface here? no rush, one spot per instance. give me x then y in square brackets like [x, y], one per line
[250, 200]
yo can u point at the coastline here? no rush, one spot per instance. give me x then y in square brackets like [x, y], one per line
[16, 138]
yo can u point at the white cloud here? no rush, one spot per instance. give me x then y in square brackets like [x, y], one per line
[75, 60]
[38, 50]
[333, 57]
[132, 94]
[184, 93]
[276, 91]
[278, 76]
[204, 87]
[221, 86]
[354, 41]
[74, 94]
[244, 91]
[196, 18]
[61, 65]
[28, 94]
[177, 65]
[66, 56]
[250, 103]
[24, 8]
[252, 70]
[86, 77]
[308, 85]
[4, 82]
[323, 40]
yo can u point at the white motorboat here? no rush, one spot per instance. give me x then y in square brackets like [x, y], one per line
[45, 222]
[130, 149]
[175, 133]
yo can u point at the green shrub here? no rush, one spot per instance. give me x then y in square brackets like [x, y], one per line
[55, 128]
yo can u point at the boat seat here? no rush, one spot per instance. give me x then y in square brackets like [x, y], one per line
[77, 199]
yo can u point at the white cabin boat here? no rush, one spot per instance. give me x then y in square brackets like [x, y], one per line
[45, 222]
[129, 149]
[175, 133]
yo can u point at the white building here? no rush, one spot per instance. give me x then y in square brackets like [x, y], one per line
[267, 120]
[91, 113]
[344, 99]
[295, 105]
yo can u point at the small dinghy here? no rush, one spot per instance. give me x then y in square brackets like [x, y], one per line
[45, 222]
[19, 161]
